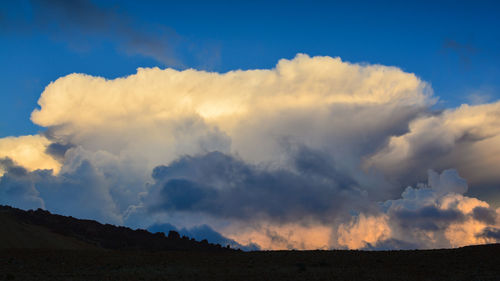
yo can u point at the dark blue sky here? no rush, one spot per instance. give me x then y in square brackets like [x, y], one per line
[453, 45]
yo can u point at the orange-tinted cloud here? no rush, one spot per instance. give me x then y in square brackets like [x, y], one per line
[301, 154]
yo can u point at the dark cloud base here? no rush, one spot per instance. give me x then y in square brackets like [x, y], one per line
[226, 187]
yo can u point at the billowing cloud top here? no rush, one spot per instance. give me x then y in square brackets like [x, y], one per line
[154, 94]
[310, 154]
[29, 151]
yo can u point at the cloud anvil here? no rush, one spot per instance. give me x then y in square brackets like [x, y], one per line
[313, 153]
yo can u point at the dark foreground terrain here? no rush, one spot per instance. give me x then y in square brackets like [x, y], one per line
[42, 230]
[469, 263]
[38, 245]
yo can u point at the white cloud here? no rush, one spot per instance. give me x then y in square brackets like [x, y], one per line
[29, 152]
[436, 215]
[466, 138]
[331, 137]
[162, 114]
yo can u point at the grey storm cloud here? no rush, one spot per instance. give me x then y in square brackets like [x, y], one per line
[465, 138]
[304, 155]
[427, 218]
[81, 192]
[58, 150]
[225, 186]
[485, 215]
[435, 214]
[491, 232]
[16, 188]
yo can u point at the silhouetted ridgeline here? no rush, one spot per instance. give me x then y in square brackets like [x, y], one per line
[102, 235]
[37, 245]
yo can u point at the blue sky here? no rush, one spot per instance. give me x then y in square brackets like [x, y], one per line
[453, 45]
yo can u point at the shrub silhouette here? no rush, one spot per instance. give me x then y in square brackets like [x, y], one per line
[172, 234]
[110, 236]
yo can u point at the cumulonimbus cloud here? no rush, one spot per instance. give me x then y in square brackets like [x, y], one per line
[436, 214]
[298, 156]
[466, 138]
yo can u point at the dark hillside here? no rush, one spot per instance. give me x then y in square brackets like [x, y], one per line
[38, 245]
[17, 234]
[30, 226]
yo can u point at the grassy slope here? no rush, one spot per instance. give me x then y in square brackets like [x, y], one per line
[16, 234]
[41, 229]
[43, 254]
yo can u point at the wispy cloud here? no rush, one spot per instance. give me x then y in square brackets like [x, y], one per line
[85, 25]
[81, 18]
[465, 51]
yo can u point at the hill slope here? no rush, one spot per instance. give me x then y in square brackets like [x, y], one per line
[38, 245]
[18, 234]
[43, 230]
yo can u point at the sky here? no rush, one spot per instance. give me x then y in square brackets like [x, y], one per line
[282, 125]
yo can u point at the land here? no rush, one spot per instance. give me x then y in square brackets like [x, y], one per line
[33, 249]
